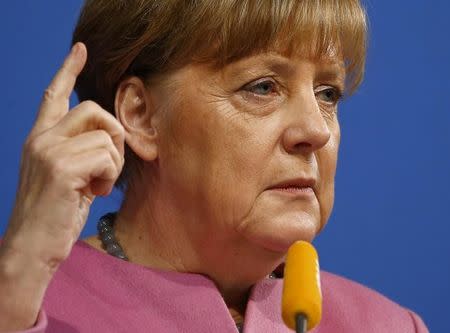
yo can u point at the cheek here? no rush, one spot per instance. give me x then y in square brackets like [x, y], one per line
[234, 166]
[214, 157]
[327, 161]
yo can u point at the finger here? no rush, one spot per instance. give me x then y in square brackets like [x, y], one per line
[95, 171]
[88, 141]
[89, 116]
[89, 173]
[55, 102]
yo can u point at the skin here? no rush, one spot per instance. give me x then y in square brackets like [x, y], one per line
[216, 141]
[68, 158]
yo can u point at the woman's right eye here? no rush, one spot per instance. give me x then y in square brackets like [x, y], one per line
[263, 87]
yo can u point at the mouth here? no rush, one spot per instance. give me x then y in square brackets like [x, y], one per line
[296, 186]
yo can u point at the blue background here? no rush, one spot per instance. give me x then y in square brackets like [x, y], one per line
[390, 225]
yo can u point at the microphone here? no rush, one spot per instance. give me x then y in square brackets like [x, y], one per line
[302, 296]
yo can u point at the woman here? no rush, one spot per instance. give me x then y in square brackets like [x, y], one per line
[225, 113]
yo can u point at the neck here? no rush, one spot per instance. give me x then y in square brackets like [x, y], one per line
[145, 227]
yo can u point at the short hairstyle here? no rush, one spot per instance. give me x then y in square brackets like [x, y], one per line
[146, 38]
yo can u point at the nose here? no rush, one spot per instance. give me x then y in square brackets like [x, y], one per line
[307, 130]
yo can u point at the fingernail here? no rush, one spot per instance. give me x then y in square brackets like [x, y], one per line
[75, 49]
[85, 202]
[89, 200]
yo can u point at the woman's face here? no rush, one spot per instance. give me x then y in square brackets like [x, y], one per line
[249, 152]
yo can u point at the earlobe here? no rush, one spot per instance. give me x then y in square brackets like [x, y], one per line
[135, 111]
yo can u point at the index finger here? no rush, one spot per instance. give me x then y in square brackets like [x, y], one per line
[55, 102]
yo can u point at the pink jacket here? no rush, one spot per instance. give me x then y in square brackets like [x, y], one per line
[95, 292]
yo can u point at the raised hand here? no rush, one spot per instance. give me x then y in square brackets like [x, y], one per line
[68, 158]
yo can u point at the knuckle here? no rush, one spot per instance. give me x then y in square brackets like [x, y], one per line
[33, 145]
[51, 161]
[49, 95]
[105, 156]
[108, 141]
[105, 136]
[120, 127]
[121, 130]
[109, 166]
[57, 166]
[110, 163]
[89, 105]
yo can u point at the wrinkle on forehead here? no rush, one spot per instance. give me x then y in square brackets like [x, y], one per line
[327, 67]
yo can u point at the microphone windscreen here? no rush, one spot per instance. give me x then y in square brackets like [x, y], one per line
[301, 288]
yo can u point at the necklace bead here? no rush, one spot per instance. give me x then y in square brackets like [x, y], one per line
[105, 227]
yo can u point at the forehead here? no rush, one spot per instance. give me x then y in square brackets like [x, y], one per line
[291, 66]
[288, 65]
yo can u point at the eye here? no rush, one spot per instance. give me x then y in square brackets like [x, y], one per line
[264, 87]
[330, 95]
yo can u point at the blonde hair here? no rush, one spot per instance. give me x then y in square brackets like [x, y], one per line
[146, 38]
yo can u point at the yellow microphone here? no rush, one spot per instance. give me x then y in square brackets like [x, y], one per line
[302, 296]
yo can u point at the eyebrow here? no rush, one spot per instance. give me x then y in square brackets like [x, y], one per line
[334, 71]
[326, 70]
[273, 64]
[281, 66]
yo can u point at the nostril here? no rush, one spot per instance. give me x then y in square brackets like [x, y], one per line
[302, 145]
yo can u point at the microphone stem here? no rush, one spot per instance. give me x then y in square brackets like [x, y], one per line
[301, 323]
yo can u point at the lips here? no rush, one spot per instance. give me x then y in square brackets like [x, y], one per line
[295, 183]
[296, 187]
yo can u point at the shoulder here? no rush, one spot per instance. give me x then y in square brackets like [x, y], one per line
[353, 305]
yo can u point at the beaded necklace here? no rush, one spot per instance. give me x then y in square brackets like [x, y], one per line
[105, 228]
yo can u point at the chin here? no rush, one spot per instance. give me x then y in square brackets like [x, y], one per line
[278, 235]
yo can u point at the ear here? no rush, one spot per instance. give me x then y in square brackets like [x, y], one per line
[135, 111]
